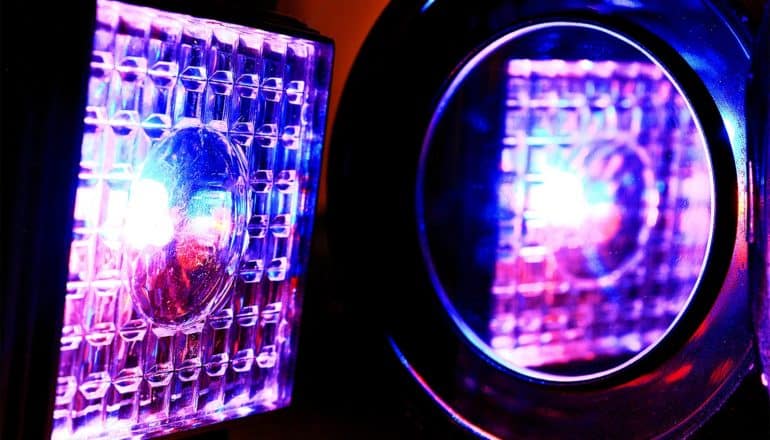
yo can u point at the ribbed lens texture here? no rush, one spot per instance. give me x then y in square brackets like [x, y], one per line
[195, 201]
[604, 211]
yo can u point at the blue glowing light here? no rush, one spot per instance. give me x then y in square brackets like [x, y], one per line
[426, 5]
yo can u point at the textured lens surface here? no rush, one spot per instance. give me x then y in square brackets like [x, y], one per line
[565, 201]
[195, 201]
[186, 217]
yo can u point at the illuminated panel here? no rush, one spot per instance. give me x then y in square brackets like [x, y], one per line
[197, 186]
[604, 206]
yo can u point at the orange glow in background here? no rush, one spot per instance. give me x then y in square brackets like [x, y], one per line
[347, 23]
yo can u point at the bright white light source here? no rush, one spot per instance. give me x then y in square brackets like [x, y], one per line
[148, 220]
[561, 199]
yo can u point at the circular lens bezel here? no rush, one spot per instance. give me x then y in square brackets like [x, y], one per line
[446, 95]
[387, 103]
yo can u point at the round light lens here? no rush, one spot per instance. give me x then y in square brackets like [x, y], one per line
[565, 201]
[185, 225]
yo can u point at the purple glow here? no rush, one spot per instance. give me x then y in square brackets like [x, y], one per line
[605, 176]
[223, 222]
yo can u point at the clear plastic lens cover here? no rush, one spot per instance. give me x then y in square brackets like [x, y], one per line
[198, 177]
[565, 201]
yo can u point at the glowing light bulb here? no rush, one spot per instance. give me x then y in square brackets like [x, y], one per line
[185, 228]
[562, 199]
[148, 222]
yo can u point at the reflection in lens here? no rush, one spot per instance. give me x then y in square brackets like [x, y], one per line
[581, 182]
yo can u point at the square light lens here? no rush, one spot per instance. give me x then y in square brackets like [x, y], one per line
[198, 177]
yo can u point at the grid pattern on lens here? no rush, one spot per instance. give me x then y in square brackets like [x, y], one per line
[551, 304]
[151, 72]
